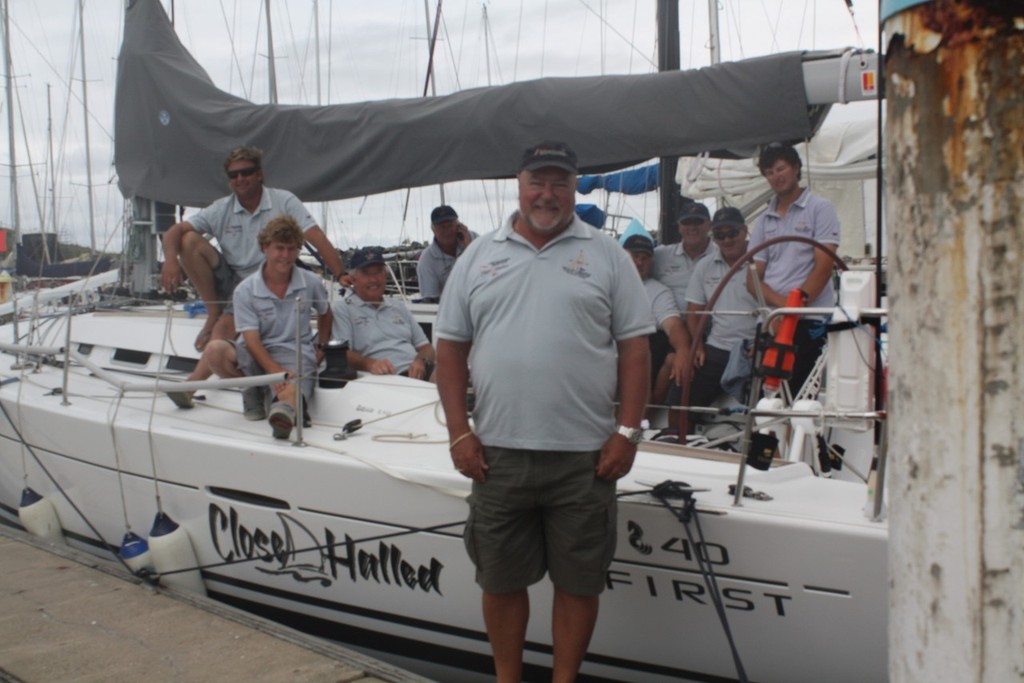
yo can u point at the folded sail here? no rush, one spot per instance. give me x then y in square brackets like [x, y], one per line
[173, 126]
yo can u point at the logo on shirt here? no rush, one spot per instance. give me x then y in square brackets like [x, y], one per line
[494, 268]
[577, 267]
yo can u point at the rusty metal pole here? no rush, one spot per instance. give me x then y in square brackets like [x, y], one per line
[955, 221]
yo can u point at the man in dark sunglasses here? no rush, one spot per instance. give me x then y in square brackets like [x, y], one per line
[236, 221]
[729, 326]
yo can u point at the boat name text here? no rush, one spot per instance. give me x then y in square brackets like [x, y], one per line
[294, 550]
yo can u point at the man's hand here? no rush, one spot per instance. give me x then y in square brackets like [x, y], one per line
[616, 459]
[418, 368]
[468, 457]
[381, 366]
[681, 365]
[171, 275]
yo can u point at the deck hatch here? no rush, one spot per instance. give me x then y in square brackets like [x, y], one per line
[181, 364]
[131, 356]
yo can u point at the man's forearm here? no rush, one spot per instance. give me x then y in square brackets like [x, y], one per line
[634, 375]
[329, 255]
[452, 375]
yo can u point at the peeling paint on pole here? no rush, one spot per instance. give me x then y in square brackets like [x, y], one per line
[955, 216]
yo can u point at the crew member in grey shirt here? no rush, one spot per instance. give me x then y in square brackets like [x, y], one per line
[383, 337]
[235, 221]
[451, 237]
[271, 304]
[795, 211]
[723, 332]
[551, 318]
[670, 367]
[674, 263]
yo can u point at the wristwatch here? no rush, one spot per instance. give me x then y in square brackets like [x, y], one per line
[632, 434]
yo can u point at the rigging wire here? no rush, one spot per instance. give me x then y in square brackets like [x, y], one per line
[607, 25]
[235, 60]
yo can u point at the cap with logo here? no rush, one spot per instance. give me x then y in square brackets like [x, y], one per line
[549, 155]
[366, 256]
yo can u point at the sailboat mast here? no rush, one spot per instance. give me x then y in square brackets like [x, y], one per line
[316, 47]
[431, 80]
[8, 77]
[85, 115]
[668, 60]
[715, 38]
[316, 61]
[271, 69]
[53, 180]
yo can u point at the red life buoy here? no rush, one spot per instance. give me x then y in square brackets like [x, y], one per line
[778, 359]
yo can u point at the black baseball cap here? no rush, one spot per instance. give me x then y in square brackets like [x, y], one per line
[443, 213]
[549, 154]
[727, 216]
[638, 243]
[366, 256]
[694, 212]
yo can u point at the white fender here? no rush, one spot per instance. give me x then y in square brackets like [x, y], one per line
[135, 553]
[39, 517]
[172, 550]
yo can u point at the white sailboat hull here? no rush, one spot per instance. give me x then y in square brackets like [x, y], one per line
[360, 539]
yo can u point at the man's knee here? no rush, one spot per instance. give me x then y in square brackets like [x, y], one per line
[221, 355]
[196, 248]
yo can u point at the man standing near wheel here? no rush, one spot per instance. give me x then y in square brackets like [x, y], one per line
[795, 211]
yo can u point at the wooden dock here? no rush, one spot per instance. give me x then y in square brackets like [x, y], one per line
[65, 616]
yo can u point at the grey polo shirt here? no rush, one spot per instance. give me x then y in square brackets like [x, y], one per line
[726, 330]
[433, 269]
[663, 303]
[672, 268]
[788, 264]
[257, 308]
[544, 326]
[236, 229]
[387, 330]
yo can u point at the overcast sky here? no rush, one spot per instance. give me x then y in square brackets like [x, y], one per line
[367, 50]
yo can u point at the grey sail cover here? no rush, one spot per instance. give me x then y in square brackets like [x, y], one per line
[173, 126]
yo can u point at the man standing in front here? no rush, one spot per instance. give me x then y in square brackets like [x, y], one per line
[553, 319]
[236, 221]
[795, 212]
[451, 238]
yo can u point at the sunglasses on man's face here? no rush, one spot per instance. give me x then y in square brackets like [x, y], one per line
[726, 233]
[244, 172]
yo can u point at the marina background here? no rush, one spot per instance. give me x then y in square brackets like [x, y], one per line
[343, 51]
